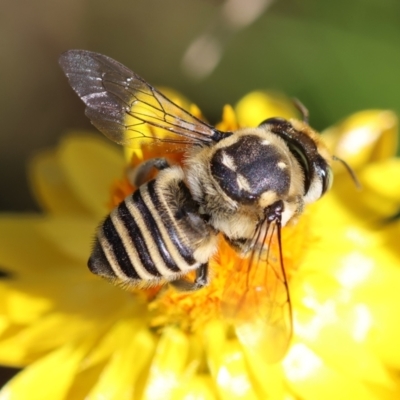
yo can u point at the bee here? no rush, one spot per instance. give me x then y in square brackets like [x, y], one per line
[245, 185]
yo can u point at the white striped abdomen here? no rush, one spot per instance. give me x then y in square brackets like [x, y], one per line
[153, 235]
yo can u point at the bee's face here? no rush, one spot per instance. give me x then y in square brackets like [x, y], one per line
[309, 152]
[280, 159]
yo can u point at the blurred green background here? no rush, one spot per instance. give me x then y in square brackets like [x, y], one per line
[336, 56]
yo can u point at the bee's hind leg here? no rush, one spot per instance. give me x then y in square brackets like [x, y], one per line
[200, 281]
[139, 175]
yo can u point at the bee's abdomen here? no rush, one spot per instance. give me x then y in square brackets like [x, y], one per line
[142, 241]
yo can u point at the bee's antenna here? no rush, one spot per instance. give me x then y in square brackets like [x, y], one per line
[303, 109]
[350, 171]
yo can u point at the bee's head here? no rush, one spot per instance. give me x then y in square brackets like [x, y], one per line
[280, 159]
[306, 147]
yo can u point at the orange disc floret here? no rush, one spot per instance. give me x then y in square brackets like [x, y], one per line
[234, 291]
[120, 189]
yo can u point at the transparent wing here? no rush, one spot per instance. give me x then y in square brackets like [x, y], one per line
[256, 297]
[125, 108]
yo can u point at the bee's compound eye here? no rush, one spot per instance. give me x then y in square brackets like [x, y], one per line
[273, 121]
[326, 174]
[328, 179]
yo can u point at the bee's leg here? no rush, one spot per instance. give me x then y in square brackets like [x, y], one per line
[139, 175]
[240, 245]
[200, 281]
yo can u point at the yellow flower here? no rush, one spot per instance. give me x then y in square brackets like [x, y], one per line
[79, 337]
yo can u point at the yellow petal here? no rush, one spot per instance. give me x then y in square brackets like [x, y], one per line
[383, 179]
[195, 110]
[383, 340]
[337, 318]
[167, 367]
[4, 320]
[232, 379]
[382, 296]
[91, 165]
[70, 235]
[257, 106]
[24, 308]
[119, 378]
[41, 275]
[23, 249]
[51, 186]
[35, 340]
[341, 207]
[214, 340]
[355, 256]
[357, 289]
[227, 364]
[114, 336]
[390, 233]
[200, 387]
[378, 199]
[364, 137]
[84, 380]
[47, 379]
[269, 377]
[311, 378]
[228, 121]
[4, 324]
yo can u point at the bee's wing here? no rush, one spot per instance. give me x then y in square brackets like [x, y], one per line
[256, 298]
[125, 108]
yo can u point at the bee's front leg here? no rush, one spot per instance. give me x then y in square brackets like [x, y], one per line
[201, 280]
